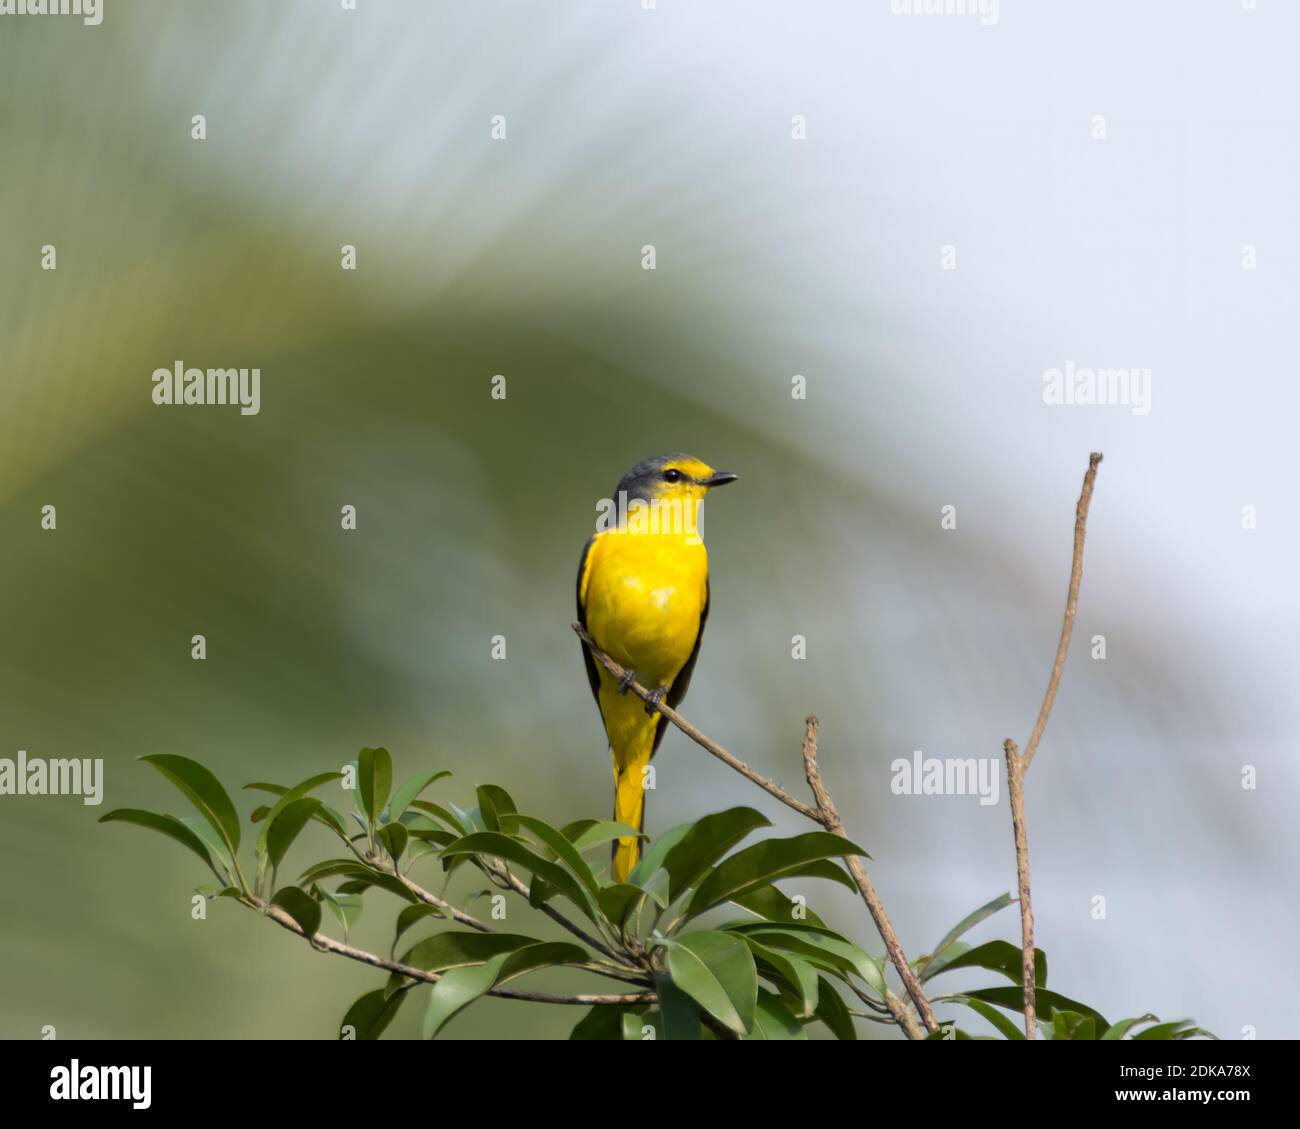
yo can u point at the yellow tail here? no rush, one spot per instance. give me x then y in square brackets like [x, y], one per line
[629, 808]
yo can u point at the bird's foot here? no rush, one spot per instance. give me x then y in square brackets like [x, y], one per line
[654, 698]
[625, 683]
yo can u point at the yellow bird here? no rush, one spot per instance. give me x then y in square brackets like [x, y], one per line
[643, 596]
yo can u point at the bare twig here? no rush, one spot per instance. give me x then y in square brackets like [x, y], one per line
[1018, 763]
[329, 945]
[1016, 792]
[830, 818]
[1071, 606]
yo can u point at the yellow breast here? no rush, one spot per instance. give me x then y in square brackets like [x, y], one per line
[644, 595]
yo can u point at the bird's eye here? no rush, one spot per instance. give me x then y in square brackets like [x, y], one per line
[672, 475]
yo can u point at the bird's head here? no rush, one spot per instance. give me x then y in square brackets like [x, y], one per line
[672, 478]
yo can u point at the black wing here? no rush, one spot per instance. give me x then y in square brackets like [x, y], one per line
[677, 691]
[593, 675]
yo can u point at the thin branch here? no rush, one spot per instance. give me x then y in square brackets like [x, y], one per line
[830, 818]
[1071, 606]
[1018, 763]
[473, 922]
[420, 892]
[709, 746]
[329, 945]
[1016, 789]
[555, 915]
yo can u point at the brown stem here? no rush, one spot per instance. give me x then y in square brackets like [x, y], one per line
[1016, 788]
[1018, 763]
[830, 818]
[329, 945]
[1071, 606]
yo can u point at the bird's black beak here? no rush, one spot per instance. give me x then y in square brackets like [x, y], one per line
[721, 478]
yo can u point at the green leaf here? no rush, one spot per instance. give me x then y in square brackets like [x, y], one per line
[988, 909]
[333, 868]
[394, 837]
[635, 1024]
[619, 902]
[507, 956]
[274, 789]
[346, 907]
[652, 859]
[215, 843]
[795, 976]
[1047, 1002]
[333, 819]
[833, 1012]
[996, 956]
[374, 779]
[1121, 1028]
[678, 1018]
[760, 864]
[773, 1020]
[458, 988]
[301, 906]
[371, 1014]
[494, 844]
[706, 841]
[827, 869]
[598, 833]
[717, 971]
[1072, 1025]
[564, 850]
[412, 916]
[1008, 1029]
[204, 791]
[167, 825]
[282, 828]
[410, 791]
[1178, 1029]
[436, 836]
[493, 803]
[542, 954]
[457, 950]
[288, 796]
[604, 1021]
[932, 964]
[821, 947]
[772, 904]
[449, 817]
